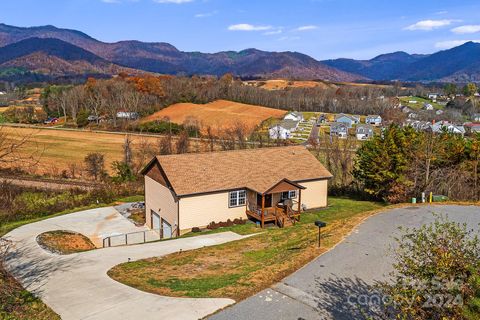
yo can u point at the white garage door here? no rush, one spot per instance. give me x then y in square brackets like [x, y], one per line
[155, 221]
[167, 229]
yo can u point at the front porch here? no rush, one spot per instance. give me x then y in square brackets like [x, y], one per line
[281, 204]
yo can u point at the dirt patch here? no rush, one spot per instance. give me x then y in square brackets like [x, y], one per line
[138, 217]
[220, 114]
[64, 242]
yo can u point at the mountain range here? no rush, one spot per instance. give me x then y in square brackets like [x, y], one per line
[54, 52]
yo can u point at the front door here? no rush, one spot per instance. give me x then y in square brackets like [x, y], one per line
[268, 200]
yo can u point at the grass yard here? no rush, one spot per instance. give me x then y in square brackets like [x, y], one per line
[65, 242]
[220, 114]
[419, 104]
[241, 268]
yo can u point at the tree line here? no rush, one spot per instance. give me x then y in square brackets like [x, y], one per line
[147, 94]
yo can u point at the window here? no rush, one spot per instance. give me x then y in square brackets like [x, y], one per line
[289, 195]
[237, 198]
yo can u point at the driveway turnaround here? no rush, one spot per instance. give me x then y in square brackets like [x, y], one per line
[338, 284]
[77, 286]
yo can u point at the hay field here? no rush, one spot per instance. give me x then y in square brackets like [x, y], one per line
[58, 149]
[220, 114]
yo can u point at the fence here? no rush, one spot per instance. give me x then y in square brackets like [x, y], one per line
[131, 238]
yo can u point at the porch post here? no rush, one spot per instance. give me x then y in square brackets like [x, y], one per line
[263, 210]
[299, 202]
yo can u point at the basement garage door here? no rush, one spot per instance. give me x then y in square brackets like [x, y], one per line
[167, 229]
[155, 221]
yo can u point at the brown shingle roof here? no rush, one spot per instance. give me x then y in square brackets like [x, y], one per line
[256, 169]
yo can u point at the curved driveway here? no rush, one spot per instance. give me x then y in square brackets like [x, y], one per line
[323, 288]
[76, 286]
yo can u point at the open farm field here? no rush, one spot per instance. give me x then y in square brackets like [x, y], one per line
[220, 114]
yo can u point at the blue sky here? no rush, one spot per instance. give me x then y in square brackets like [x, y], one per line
[320, 28]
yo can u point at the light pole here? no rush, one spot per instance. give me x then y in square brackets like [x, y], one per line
[320, 225]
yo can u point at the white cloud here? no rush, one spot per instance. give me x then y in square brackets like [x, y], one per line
[273, 32]
[306, 28]
[248, 27]
[428, 25]
[466, 29]
[173, 1]
[286, 38]
[452, 43]
[206, 14]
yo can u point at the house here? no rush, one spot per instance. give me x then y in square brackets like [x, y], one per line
[375, 120]
[192, 190]
[93, 118]
[339, 129]
[347, 119]
[364, 131]
[472, 127]
[441, 126]
[419, 125]
[439, 112]
[128, 115]
[433, 96]
[427, 106]
[406, 109]
[294, 116]
[283, 129]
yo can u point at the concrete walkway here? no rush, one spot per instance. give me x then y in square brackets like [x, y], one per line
[331, 286]
[76, 286]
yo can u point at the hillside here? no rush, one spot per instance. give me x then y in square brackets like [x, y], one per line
[165, 58]
[219, 115]
[54, 57]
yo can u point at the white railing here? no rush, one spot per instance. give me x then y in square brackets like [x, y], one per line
[138, 237]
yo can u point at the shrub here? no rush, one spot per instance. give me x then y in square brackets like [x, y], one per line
[436, 273]
[162, 127]
[215, 225]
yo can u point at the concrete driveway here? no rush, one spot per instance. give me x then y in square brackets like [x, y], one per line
[76, 286]
[323, 288]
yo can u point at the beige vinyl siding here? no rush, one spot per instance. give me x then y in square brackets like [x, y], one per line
[161, 200]
[200, 210]
[315, 194]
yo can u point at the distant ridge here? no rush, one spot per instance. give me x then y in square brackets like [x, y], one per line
[164, 58]
[459, 64]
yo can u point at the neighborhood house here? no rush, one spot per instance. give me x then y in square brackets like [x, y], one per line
[364, 131]
[294, 116]
[266, 185]
[283, 129]
[347, 119]
[375, 120]
[339, 129]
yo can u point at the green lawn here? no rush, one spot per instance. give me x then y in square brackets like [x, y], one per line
[419, 104]
[241, 268]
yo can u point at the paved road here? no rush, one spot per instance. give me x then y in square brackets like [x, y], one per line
[322, 289]
[76, 286]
